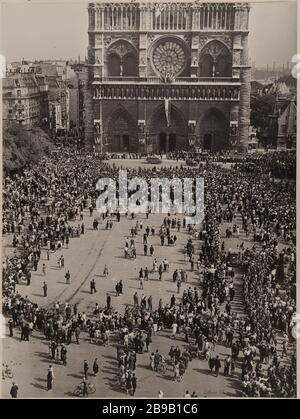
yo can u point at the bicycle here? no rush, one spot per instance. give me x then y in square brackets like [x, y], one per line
[91, 389]
[161, 368]
[6, 372]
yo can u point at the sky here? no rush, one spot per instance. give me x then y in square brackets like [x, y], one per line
[57, 30]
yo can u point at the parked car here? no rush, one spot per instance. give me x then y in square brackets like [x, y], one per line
[153, 160]
[192, 163]
[233, 258]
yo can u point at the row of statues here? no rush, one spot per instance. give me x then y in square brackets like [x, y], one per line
[148, 92]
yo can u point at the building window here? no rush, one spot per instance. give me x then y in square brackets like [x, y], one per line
[18, 93]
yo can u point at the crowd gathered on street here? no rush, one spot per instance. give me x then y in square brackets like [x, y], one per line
[46, 205]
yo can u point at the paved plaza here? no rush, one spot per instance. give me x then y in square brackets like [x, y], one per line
[85, 259]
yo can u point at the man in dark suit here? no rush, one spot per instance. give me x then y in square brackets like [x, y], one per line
[14, 391]
[133, 384]
[217, 365]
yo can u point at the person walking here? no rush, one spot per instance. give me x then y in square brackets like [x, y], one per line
[44, 269]
[45, 289]
[105, 271]
[14, 391]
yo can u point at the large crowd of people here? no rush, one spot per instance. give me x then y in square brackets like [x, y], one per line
[43, 209]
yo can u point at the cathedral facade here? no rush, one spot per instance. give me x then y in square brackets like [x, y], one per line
[166, 76]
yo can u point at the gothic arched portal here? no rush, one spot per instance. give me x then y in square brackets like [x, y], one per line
[121, 132]
[166, 138]
[213, 130]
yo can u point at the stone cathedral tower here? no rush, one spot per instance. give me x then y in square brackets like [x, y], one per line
[166, 76]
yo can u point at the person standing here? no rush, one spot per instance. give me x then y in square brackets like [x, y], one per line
[121, 286]
[84, 388]
[227, 364]
[45, 289]
[160, 272]
[217, 365]
[150, 303]
[147, 342]
[151, 250]
[14, 391]
[135, 299]
[68, 277]
[28, 277]
[95, 367]
[77, 334]
[11, 327]
[174, 329]
[133, 384]
[85, 368]
[50, 378]
[211, 363]
[93, 286]
[63, 354]
[108, 301]
[117, 288]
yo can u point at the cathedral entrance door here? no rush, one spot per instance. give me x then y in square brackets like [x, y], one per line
[207, 142]
[126, 142]
[172, 142]
[162, 146]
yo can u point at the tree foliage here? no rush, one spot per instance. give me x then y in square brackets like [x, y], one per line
[22, 146]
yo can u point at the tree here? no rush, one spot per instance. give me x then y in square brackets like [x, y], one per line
[22, 146]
